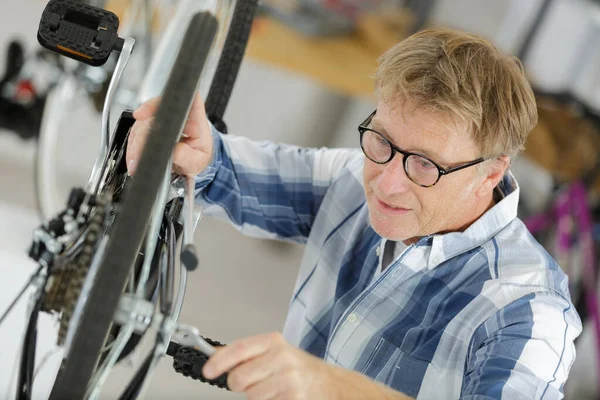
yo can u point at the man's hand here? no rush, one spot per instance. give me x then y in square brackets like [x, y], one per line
[266, 367]
[191, 155]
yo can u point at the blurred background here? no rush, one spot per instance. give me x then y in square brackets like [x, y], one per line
[306, 80]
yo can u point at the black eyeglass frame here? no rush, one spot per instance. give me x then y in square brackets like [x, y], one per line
[364, 126]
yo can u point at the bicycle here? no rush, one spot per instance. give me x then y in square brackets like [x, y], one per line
[103, 269]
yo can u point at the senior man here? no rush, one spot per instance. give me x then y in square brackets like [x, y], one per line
[418, 279]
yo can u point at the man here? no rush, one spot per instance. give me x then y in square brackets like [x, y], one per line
[418, 280]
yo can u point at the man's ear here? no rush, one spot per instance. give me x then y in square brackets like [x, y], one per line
[494, 172]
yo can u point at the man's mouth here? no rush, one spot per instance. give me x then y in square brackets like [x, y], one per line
[391, 208]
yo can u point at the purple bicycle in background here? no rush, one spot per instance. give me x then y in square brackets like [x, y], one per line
[569, 229]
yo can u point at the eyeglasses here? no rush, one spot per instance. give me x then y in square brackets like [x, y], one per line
[419, 169]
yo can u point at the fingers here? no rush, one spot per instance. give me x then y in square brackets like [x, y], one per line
[196, 124]
[144, 116]
[188, 160]
[191, 155]
[237, 353]
[251, 373]
[147, 109]
[135, 143]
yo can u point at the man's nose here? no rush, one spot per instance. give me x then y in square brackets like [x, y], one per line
[393, 178]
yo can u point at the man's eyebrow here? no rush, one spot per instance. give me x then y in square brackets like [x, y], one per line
[428, 154]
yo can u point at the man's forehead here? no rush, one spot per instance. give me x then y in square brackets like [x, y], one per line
[419, 130]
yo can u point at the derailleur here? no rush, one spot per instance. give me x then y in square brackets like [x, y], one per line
[53, 237]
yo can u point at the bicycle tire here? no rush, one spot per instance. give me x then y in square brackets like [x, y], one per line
[131, 222]
[49, 199]
[231, 59]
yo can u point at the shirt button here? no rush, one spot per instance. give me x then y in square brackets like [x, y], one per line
[352, 318]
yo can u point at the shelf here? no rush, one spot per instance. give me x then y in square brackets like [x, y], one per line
[345, 64]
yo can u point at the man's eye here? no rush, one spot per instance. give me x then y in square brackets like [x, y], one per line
[423, 163]
[381, 141]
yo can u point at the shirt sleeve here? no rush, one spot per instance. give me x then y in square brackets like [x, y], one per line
[525, 351]
[266, 189]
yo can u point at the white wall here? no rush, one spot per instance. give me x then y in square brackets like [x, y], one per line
[556, 54]
[483, 17]
[564, 55]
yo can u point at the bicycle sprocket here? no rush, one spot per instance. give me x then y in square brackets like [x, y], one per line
[67, 278]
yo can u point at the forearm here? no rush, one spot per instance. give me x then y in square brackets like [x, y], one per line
[275, 188]
[350, 385]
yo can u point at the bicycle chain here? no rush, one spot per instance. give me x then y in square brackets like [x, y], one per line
[189, 361]
[66, 281]
[69, 275]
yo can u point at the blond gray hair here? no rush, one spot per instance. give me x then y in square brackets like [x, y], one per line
[464, 77]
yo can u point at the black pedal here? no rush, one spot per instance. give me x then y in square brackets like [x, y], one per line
[79, 31]
[189, 362]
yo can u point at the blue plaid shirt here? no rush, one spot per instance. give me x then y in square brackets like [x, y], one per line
[484, 313]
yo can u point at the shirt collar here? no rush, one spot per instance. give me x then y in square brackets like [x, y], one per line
[448, 245]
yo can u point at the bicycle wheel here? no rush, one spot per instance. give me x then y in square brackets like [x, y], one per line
[230, 62]
[130, 224]
[59, 129]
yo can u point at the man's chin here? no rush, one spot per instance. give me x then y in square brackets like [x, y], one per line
[390, 231]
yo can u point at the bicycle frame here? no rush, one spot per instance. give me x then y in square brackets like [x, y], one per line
[135, 313]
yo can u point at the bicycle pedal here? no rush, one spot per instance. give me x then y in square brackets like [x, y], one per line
[189, 362]
[79, 31]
